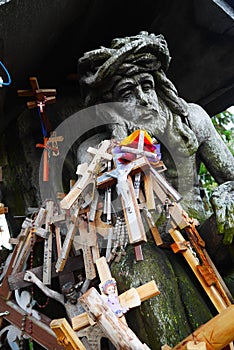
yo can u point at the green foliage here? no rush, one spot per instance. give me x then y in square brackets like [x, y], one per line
[224, 124]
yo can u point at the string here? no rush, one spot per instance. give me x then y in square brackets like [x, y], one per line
[44, 131]
[8, 75]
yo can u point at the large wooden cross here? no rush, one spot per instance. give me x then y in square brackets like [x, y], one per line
[119, 333]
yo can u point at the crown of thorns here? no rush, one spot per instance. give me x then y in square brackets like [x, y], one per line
[141, 53]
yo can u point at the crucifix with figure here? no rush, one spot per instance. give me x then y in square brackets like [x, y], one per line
[108, 323]
[50, 140]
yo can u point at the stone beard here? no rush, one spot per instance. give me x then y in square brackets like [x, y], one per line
[162, 124]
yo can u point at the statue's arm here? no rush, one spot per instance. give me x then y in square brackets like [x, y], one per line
[31, 277]
[212, 150]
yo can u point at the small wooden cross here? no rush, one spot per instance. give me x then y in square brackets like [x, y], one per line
[65, 335]
[43, 97]
[86, 240]
[203, 267]
[3, 209]
[48, 243]
[50, 145]
[88, 176]
[121, 336]
[130, 206]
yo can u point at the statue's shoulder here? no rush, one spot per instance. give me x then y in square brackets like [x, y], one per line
[199, 121]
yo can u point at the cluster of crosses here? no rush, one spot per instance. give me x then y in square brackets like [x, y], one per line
[121, 184]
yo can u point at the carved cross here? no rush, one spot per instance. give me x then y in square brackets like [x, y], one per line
[88, 176]
[50, 145]
[137, 182]
[121, 336]
[131, 298]
[130, 206]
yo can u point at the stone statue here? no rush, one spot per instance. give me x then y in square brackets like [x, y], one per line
[132, 73]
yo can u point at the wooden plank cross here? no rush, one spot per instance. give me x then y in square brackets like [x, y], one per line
[48, 243]
[41, 334]
[88, 176]
[65, 335]
[129, 299]
[67, 244]
[50, 144]
[117, 331]
[42, 98]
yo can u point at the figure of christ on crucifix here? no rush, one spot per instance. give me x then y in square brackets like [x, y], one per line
[68, 298]
[131, 73]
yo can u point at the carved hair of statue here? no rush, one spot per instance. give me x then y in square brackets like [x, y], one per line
[101, 69]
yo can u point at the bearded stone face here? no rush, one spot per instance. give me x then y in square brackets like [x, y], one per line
[140, 104]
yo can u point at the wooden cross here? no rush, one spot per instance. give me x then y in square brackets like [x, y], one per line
[19, 256]
[117, 331]
[50, 144]
[43, 97]
[88, 176]
[86, 240]
[130, 206]
[68, 241]
[41, 331]
[137, 182]
[72, 309]
[48, 243]
[131, 298]
[217, 333]
[66, 336]
[201, 265]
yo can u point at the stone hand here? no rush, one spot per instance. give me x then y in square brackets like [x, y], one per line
[222, 201]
